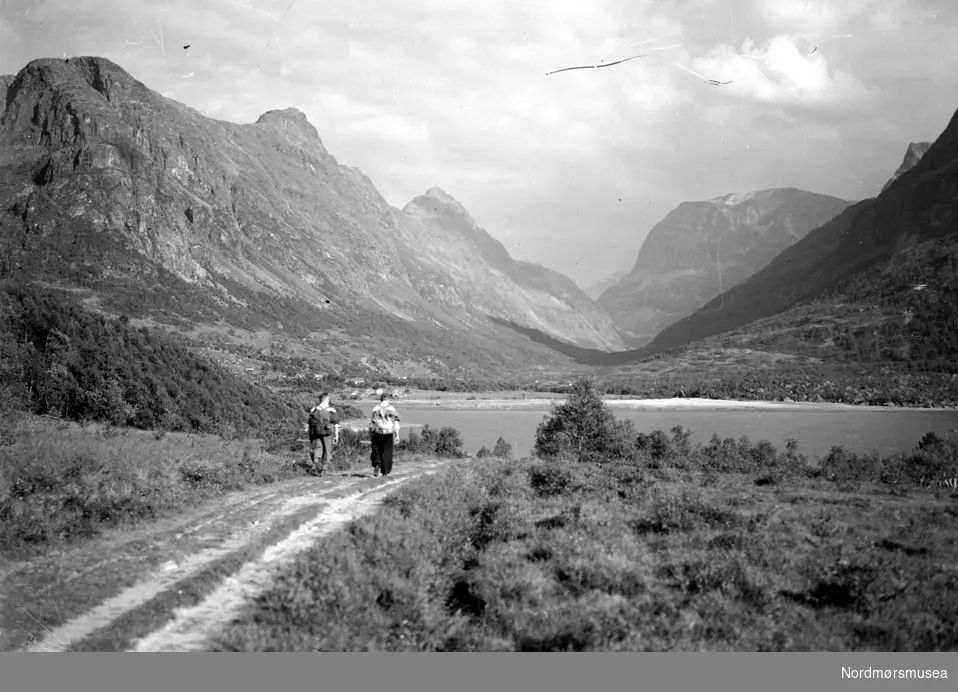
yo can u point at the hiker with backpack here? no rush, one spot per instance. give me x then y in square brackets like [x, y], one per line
[323, 425]
[383, 431]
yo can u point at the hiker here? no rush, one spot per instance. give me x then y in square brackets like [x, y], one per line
[323, 425]
[383, 430]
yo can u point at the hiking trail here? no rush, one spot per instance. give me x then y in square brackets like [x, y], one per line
[173, 584]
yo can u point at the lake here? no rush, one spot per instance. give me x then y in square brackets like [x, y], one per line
[816, 431]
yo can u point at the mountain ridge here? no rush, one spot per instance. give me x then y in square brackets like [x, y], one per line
[913, 154]
[599, 287]
[440, 218]
[103, 178]
[918, 207]
[701, 248]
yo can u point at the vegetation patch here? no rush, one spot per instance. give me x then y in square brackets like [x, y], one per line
[667, 548]
[63, 482]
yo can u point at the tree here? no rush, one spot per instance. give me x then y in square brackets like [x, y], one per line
[582, 427]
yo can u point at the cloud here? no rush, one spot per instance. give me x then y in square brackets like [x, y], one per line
[7, 32]
[813, 17]
[454, 94]
[782, 72]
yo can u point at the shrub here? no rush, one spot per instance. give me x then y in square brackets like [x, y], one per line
[412, 444]
[658, 447]
[549, 479]
[445, 442]
[582, 428]
[844, 467]
[502, 449]
[689, 510]
[654, 444]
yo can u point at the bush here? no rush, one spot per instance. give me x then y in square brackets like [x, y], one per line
[582, 428]
[689, 510]
[660, 449]
[549, 479]
[445, 442]
[502, 449]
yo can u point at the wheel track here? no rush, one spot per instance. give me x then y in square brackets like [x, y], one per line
[147, 563]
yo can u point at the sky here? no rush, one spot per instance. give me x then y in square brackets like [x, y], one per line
[569, 170]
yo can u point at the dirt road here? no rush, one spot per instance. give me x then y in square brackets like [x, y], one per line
[171, 585]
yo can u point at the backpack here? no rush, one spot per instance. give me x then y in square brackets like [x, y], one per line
[321, 423]
[381, 422]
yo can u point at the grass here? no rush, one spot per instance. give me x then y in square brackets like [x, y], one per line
[62, 482]
[727, 546]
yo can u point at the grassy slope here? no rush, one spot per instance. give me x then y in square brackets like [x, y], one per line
[679, 553]
[905, 311]
[61, 482]
[889, 335]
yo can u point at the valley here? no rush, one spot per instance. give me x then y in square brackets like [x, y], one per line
[747, 441]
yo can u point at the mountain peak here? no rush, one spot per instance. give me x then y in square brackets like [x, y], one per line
[439, 194]
[292, 121]
[913, 155]
[282, 114]
[103, 75]
[733, 198]
[436, 199]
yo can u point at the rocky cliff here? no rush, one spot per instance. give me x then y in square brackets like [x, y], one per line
[702, 248]
[913, 155]
[105, 183]
[491, 282]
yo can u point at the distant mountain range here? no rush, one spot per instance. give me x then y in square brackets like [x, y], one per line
[908, 230]
[601, 286]
[920, 205]
[702, 248]
[155, 210]
[139, 205]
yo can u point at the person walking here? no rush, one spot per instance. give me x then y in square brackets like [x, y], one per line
[323, 425]
[383, 429]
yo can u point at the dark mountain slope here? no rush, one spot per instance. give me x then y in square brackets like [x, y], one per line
[913, 155]
[921, 205]
[702, 248]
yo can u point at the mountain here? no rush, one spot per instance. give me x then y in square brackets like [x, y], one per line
[702, 248]
[888, 335]
[921, 206]
[153, 210]
[912, 156]
[600, 287]
[494, 283]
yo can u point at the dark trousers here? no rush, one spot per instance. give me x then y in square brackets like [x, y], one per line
[382, 456]
[321, 447]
